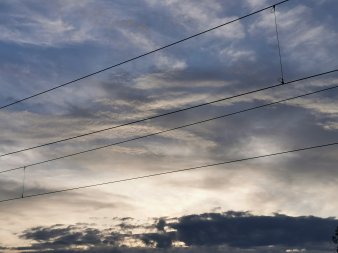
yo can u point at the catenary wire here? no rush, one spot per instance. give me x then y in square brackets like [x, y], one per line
[167, 113]
[171, 172]
[140, 56]
[171, 129]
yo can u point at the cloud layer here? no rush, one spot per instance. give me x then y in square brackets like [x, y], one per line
[223, 232]
[43, 44]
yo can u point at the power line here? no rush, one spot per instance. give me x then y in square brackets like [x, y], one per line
[171, 129]
[140, 56]
[166, 114]
[172, 171]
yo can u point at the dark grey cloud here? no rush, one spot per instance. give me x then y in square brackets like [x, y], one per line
[54, 237]
[45, 234]
[245, 230]
[158, 240]
[160, 226]
[228, 231]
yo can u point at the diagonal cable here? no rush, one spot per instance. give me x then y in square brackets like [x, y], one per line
[139, 56]
[167, 113]
[173, 129]
[173, 171]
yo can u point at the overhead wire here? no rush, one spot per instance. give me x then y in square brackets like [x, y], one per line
[171, 129]
[172, 171]
[161, 115]
[140, 56]
[23, 182]
[278, 45]
[167, 113]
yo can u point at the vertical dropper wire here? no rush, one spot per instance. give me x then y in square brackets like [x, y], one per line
[23, 182]
[278, 44]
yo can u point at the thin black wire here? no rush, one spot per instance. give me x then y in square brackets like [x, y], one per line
[140, 56]
[23, 182]
[278, 44]
[165, 114]
[172, 129]
[173, 171]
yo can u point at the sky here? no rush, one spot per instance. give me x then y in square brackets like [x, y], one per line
[283, 203]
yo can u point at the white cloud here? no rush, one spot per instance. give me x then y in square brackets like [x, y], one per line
[231, 54]
[256, 4]
[163, 80]
[196, 16]
[32, 27]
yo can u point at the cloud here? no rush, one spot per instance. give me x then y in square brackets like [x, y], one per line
[222, 231]
[29, 26]
[198, 16]
[245, 231]
[56, 238]
[255, 4]
[158, 240]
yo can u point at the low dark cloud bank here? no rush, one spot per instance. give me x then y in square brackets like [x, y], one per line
[245, 231]
[219, 232]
